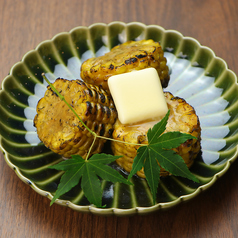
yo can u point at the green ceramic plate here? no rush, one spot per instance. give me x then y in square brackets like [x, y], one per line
[196, 75]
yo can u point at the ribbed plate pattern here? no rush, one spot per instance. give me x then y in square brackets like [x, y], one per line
[197, 75]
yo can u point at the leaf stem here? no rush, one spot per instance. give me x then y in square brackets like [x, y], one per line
[130, 143]
[89, 151]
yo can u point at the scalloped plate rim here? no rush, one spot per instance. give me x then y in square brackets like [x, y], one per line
[118, 211]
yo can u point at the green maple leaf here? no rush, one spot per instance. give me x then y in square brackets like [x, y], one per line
[89, 172]
[159, 150]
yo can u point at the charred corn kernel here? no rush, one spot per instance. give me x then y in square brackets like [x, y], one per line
[182, 118]
[131, 55]
[61, 131]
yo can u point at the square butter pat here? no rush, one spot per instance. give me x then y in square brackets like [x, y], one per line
[138, 95]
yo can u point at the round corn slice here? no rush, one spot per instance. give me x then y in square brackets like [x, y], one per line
[131, 55]
[182, 118]
[58, 127]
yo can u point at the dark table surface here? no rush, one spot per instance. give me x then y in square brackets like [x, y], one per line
[23, 25]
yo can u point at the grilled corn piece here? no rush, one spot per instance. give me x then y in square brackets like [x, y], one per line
[61, 131]
[182, 118]
[131, 55]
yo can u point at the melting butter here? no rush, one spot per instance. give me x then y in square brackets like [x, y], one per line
[138, 95]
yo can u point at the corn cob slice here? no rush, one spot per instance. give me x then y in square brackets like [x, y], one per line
[61, 131]
[182, 118]
[131, 55]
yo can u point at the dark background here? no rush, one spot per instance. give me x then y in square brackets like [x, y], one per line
[23, 25]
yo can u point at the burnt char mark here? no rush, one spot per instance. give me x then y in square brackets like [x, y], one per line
[90, 92]
[110, 131]
[141, 56]
[102, 97]
[113, 110]
[131, 61]
[119, 66]
[108, 112]
[76, 140]
[102, 131]
[93, 70]
[154, 49]
[53, 92]
[80, 82]
[95, 110]
[89, 108]
[102, 108]
[94, 93]
[111, 66]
